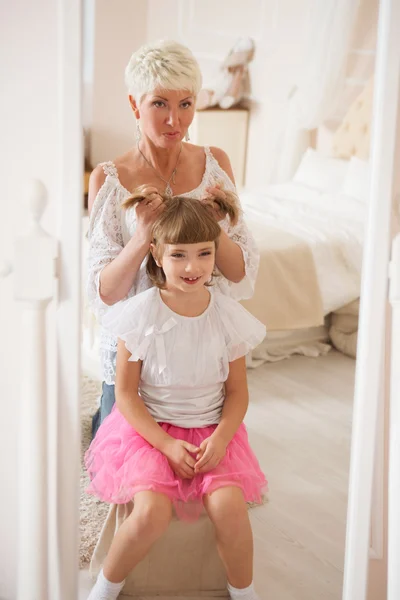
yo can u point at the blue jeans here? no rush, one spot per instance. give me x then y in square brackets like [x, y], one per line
[106, 403]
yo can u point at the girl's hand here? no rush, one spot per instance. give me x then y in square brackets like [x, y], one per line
[148, 211]
[212, 451]
[216, 192]
[179, 455]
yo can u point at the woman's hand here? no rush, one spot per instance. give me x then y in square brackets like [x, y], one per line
[212, 451]
[148, 211]
[216, 192]
[179, 455]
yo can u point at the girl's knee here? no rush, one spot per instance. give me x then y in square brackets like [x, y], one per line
[227, 509]
[152, 515]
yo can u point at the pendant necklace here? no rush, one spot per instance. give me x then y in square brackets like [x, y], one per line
[168, 189]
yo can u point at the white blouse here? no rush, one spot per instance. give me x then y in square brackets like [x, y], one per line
[110, 229]
[185, 359]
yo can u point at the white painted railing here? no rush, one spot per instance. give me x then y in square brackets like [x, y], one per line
[34, 287]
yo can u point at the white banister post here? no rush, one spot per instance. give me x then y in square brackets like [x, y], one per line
[34, 287]
[32, 464]
[394, 443]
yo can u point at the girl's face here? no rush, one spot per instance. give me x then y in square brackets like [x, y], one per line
[188, 267]
[165, 116]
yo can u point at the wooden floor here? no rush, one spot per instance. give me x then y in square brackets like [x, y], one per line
[299, 423]
[300, 427]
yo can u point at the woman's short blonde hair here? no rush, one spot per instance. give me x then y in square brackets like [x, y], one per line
[164, 64]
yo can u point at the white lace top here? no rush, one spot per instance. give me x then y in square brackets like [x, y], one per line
[111, 227]
[185, 388]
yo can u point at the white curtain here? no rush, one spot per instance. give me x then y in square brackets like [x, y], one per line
[320, 85]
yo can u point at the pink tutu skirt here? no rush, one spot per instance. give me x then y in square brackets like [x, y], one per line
[121, 463]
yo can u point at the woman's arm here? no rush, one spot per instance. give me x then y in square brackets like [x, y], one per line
[116, 279]
[236, 401]
[96, 180]
[230, 258]
[119, 264]
[130, 404]
[112, 266]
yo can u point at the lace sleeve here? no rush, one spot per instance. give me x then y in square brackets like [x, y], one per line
[105, 241]
[239, 234]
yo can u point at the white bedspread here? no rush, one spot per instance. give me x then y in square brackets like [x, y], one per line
[330, 224]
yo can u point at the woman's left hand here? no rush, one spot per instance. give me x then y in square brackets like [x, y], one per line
[216, 192]
[212, 451]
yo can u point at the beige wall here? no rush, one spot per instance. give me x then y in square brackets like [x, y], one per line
[120, 28]
[210, 29]
[280, 30]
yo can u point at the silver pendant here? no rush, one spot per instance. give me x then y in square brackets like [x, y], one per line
[168, 190]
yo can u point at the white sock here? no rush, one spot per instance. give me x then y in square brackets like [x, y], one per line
[247, 593]
[104, 589]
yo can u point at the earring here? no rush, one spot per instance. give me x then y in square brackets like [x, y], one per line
[138, 132]
[187, 136]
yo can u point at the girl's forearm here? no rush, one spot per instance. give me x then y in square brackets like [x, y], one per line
[229, 259]
[132, 408]
[116, 279]
[233, 413]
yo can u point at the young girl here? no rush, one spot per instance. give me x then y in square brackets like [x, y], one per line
[176, 436]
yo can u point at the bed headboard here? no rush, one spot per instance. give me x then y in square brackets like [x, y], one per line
[352, 138]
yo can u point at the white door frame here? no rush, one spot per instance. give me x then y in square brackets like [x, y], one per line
[374, 301]
[70, 204]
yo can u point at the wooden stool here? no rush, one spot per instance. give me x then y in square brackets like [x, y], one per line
[184, 562]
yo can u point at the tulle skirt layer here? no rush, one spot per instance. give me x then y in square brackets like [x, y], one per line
[121, 463]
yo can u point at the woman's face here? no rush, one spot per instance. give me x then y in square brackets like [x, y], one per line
[165, 116]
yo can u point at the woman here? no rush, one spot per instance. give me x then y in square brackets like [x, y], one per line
[163, 80]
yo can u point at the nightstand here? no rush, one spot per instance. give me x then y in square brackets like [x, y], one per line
[226, 129]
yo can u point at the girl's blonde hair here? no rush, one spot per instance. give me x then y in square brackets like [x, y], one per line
[165, 64]
[184, 221]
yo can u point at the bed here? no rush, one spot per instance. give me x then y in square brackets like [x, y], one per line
[310, 264]
[310, 235]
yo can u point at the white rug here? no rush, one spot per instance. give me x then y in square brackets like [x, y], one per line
[92, 512]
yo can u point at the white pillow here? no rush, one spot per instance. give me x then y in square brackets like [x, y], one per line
[357, 180]
[321, 172]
